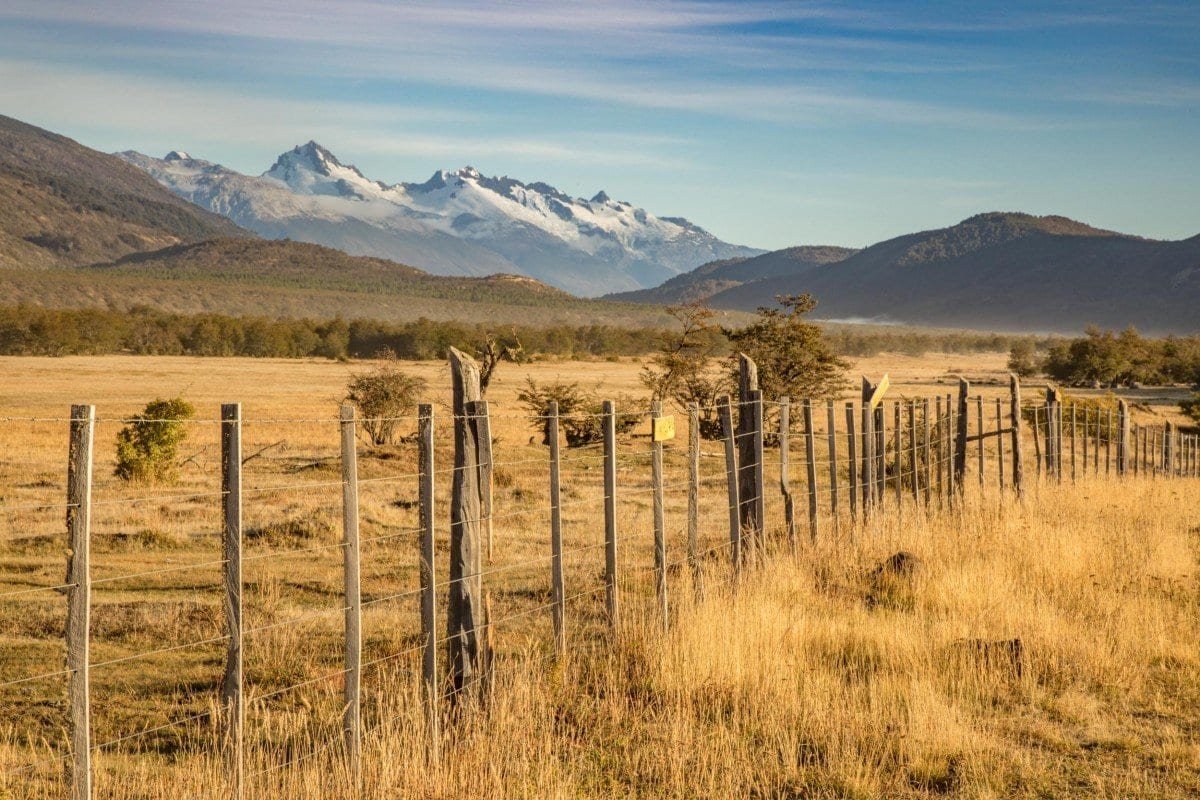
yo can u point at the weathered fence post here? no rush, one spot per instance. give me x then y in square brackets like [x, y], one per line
[867, 470]
[898, 421]
[1053, 434]
[231, 685]
[352, 594]
[1086, 415]
[693, 510]
[831, 442]
[942, 432]
[482, 419]
[557, 586]
[913, 454]
[981, 440]
[1014, 411]
[725, 411]
[1096, 447]
[927, 423]
[1168, 453]
[425, 470]
[852, 461]
[79, 596]
[951, 446]
[1122, 438]
[750, 466]
[1108, 438]
[660, 526]
[611, 593]
[464, 611]
[1074, 441]
[785, 489]
[810, 458]
[960, 438]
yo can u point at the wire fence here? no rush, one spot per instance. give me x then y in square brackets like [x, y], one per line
[642, 513]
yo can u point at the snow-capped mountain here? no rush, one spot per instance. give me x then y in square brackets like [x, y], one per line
[456, 223]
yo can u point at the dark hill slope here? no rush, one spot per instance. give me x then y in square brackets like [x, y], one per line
[717, 276]
[1005, 271]
[65, 204]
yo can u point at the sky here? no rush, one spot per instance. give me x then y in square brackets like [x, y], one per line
[769, 124]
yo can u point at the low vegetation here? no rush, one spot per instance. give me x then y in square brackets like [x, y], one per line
[383, 397]
[1106, 358]
[148, 446]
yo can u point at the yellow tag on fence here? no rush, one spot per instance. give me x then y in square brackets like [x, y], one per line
[877, 395]
[662, 429]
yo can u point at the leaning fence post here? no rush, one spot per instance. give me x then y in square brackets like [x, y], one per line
[611, 595]
[231, 490]
[464, 617]
[660, 527]
[1014, 412]
[810, 457]
[425, 469]
[557, 586]
[725, 411]
[79, 596]
[960, 437]
[352, 594]
[785, 489]
[693, 509]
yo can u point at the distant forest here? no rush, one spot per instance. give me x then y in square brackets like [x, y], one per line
[32, 330]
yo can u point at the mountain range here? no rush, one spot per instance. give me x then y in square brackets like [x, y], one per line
[457, 222]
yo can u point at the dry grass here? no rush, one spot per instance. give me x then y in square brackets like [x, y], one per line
[815, 679]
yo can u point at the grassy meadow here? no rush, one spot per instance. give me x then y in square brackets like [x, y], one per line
[816, 678]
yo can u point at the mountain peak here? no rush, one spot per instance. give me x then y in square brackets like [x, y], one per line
[601, 197]
[310, 156]
[177, 155]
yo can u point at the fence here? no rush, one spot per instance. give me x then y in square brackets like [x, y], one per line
[859, 459]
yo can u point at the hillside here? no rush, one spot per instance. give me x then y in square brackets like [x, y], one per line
[1004, 271]
[294, 279]
[458, 222]
[717, 276]
[66, 205]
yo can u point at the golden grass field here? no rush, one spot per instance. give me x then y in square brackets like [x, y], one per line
[812, 680]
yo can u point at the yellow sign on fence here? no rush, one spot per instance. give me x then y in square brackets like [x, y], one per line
[877, 395]
[662, 428]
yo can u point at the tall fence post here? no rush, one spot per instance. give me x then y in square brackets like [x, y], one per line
[913, 455]
[693, 509]
[482, 419]
[810, 458]
[852, 461]
[867, 470]
[927, 424]
[660, 527]
[1014, 412]
[611, 594]
[831, 442]
[960, 437]
[464, 612]
[1168, 452]
[749, 441]
[898, 422]
[785, 488]
[1122, 438]
[79, 596]
[557, 586]
[425, 469]
[725, 411]
[231, 685]
[352, 594]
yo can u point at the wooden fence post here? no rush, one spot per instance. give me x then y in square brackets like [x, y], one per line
[1000, 442]
[429, 641]
[898, 422]
[941, 472]
[1086, 457]
[231, 685]
[79, 596]
[464, 612]
[660, 527]
[867, 469]
[785, 489]
[1014, 412]
[1074, 441]
[1168, 454]
[611, 593]
[557, 586]
[1096, 446]
[693, 510]
[1122, 438]
[482, 419]
[810, 457]
[352, 594]
[913, 453]
[982, 446]
[852, 461]
[725, 411]
[927, 423]
[749, 454]
[960, 438]
[831, 443]
[951, 446]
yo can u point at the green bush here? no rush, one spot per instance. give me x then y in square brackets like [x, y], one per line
[579, 410]
[148, 447]
[381, 396]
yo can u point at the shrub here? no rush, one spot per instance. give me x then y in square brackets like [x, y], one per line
[579, 410]
[1191, 407]
[682, 368]
[1023, 360]
[381, 396]
[147, 448]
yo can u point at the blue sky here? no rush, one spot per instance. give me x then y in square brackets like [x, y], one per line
[770, 124]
